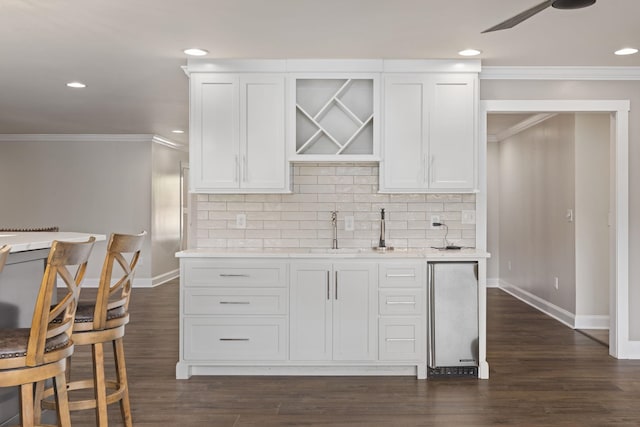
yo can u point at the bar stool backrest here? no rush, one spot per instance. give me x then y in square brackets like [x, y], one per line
[4, 254]
[123, 253]
[63, 256]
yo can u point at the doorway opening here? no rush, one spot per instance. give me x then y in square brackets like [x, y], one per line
[619, 177]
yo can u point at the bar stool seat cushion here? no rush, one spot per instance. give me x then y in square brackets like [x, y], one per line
[13, 343]
[85, 311]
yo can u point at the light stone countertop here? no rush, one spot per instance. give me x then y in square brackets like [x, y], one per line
[347, 253]
[29, 241]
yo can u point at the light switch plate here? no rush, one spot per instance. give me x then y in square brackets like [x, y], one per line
[468, 217]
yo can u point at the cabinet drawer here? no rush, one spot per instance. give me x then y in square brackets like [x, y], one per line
[401, 301]
[404, 275]
[239, 301]
[401, 338]
[234, 273]
[235, 338]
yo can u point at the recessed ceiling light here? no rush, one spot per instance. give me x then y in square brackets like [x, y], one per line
[626, 51]
[76, 85]
[469, 52]
[194, 51]
[177, 131]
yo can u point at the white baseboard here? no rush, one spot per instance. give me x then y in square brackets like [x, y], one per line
[552, 310]
[138, 282]
[631, 350]
[591, 321]
[493, 282]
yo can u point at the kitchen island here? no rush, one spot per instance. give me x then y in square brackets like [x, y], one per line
[312, 311]
[19, 285]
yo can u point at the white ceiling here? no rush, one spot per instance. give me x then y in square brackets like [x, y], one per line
[129, 52]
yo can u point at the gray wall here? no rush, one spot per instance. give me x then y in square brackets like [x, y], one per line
[165, 219]
[592, 138]
[536, 189]
[600, 90]
[96, 186]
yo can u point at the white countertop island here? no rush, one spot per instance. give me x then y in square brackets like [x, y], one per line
[29, 241]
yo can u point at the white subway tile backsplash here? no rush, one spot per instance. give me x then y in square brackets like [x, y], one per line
[302, 219]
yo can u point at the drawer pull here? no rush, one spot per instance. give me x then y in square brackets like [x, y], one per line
[401, 275]
[400, 302]
[234, 339]
[400, 339]
[234, 275]
[235, 302]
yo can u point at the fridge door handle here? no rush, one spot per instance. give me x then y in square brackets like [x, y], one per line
[431, 362]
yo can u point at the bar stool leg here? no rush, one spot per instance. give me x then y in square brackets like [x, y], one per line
[121, 372]
[99, 384]
[26, 405]
[62, 400]
[37, 409]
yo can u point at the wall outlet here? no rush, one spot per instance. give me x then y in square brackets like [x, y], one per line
[555, 282]
[434, 218]
[348, 223]
[468, 217]
[241, 221]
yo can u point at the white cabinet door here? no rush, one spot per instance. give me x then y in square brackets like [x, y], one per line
[429, 133]
[333, 311]
[452, 132]
[354, 311]
[262, 130]
[405, 130]
[237, 141]
[214, 139]
[311, 311]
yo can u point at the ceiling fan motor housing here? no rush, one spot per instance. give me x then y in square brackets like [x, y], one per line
[572, 4]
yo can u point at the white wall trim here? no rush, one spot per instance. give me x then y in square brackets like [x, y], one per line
[90, 137]
[493, 282]
[527, 123]
[560, 73]
[548, 308]
[619, 344]
[594, 321]
[165, 277]
[138, 282]
[632, 350]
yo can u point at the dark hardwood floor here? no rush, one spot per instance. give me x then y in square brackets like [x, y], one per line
[542, 374]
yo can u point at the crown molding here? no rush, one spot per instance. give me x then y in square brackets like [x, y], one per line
[59, 137]
[560, 73]
[520, 127]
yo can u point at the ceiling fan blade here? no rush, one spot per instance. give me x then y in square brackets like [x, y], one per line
[515, 20]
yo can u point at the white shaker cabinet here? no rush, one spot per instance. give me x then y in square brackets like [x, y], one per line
[429, 133]
[237, 133]
[333, 310]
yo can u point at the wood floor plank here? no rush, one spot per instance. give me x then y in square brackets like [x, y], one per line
[542, 374]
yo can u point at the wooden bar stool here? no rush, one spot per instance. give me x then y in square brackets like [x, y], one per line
[33, 355]
[103, 321]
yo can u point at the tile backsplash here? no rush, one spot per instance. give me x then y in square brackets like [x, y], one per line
[303, 219]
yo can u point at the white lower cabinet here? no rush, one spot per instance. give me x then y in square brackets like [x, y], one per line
[233, 310]
[301, 316]
[402, 321]
[333, 311]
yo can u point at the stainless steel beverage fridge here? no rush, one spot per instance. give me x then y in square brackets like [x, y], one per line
[453, 318]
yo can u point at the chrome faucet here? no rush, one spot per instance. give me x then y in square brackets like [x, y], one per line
[334, 224]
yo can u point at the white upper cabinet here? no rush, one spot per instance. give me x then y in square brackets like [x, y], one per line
[333, 117]
[237, 133]
[429, 133]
